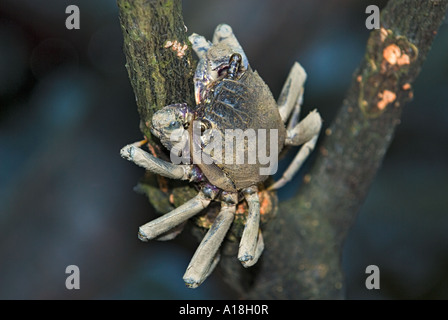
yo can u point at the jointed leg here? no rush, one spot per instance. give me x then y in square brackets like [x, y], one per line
[292, 92]
[134, 153]
[177, 216]
[224, 32]
[305, 132]
[258, 251]
[169, 235]
[289, 105]
[199, 44]
[295, 115]
[224, 37]
[167, 222]
[248, 244]
[205, 257]
[295, 165]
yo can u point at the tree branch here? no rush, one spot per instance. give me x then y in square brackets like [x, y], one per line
[160, 67]
[159, 74]
[304, 243]
[304, 262]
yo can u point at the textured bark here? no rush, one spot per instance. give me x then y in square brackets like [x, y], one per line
[159, 76]
[304, 262]
[304, 243]
[161, 70]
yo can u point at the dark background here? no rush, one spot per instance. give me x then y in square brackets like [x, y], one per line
[66, 109]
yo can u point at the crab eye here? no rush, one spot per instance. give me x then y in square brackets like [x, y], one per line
[204, 125]
[174, 125]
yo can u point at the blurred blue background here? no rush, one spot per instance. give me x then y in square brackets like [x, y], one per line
[67, 107]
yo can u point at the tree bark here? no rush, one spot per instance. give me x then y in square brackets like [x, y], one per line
[159, 75]
[304, 262]
[304, 243]
[161, 68]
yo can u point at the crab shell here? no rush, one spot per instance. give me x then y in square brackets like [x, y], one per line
[244, 103]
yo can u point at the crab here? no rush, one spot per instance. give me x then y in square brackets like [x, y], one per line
[229, 95]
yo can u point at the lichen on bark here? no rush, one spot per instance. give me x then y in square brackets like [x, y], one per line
[159, 76]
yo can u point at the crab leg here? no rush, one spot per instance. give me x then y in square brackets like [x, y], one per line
[258, 251]
[224, 41]
[214, 263]
[307, 132]
[296, 163]
[292, 92]
[132, 152]
[224, 34]
[248, 243]
[204, 259]
[199, 44]
[304, 131]
[171, 234]
[175, 217]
